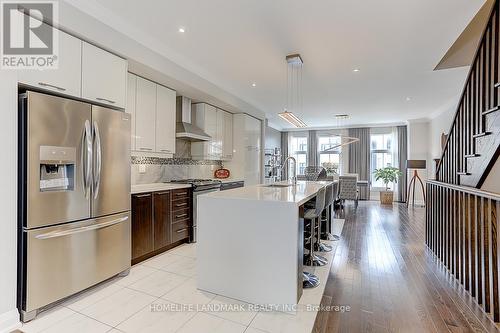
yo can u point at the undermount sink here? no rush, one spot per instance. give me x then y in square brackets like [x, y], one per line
[279, 185]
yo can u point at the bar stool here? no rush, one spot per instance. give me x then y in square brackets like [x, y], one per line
[318, 245]
[330, 197]
[309, 280]
[311, 259]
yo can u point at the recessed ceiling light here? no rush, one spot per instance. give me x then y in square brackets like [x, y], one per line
[408, 99]
[355, 70]
[254, 84]
[182, 29]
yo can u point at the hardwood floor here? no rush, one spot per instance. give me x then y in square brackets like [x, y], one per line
[390, 281]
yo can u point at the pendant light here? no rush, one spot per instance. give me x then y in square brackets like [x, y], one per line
[344, 139]
[293, 91]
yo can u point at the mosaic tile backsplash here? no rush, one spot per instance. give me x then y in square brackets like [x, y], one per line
[172, 161]
[158, 170]
[181, 166]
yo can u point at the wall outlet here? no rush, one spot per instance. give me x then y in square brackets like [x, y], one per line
[142, 168]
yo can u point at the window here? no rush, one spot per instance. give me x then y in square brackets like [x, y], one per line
[297, 147]
[330, 160]
[381, 146]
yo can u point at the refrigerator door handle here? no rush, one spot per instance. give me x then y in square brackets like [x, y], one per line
[60, 233]
[86, 159]
[98, 162]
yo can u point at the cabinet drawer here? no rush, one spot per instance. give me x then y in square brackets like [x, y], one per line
[181, 193]
[180, 230]
[182, 203]
[180, 215]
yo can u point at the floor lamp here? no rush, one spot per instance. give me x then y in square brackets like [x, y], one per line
[415, 164]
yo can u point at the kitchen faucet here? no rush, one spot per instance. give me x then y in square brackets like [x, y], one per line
[294, 178]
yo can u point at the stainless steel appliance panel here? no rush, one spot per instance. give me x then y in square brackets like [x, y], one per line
[194, 231]
[66, 259]
[56, 127]
[111, 162]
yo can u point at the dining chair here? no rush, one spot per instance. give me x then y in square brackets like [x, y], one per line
[315, 173]
[348, 189]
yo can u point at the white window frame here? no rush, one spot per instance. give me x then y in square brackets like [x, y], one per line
[381, 131]
[294, 135]
[337, 151]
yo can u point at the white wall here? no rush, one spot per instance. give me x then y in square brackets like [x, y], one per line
[438, 125]
[273, 138]
[9, 316]
[418, 149]
[492, 182]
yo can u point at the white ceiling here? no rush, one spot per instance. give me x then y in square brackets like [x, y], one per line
[233, 43]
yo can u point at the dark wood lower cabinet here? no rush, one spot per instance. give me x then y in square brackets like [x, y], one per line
[160, 221]
[142, 225]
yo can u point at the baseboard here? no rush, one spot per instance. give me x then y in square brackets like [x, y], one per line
[9, 321]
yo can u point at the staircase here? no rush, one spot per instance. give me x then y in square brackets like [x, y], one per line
[473, 143]
[462, 221]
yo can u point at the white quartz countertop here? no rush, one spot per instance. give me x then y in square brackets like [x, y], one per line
[155, 187]
[298, 194]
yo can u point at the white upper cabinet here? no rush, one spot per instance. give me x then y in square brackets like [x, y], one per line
[145, 115]
[66, 79]
[219, 125]
[152, 107]
[227, 135]
[131, 105]
[165, 120]
[205, 117]
[219, 136]
[104, 76]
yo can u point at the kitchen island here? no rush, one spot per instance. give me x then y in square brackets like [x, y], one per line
[250, 242]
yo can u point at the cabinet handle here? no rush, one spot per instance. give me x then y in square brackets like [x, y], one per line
[146, 149]
[163, 193]
[182, 230]
[142, 195]
[105, 100]
[182, 215]
[43, 84]
[179, 194]
[166, 150]
[181, 204]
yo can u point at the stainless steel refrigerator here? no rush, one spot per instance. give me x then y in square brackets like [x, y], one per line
[74, 198]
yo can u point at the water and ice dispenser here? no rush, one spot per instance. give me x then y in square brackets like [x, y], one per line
[57, 168]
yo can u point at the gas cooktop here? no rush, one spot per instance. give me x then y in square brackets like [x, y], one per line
[199, 184]
[196, 181]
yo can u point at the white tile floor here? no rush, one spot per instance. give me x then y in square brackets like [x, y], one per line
[126, 304]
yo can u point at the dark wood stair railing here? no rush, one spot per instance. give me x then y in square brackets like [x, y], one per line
[474, 138]
[462, 231]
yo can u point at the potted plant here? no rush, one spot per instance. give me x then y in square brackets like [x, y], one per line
[387, 175]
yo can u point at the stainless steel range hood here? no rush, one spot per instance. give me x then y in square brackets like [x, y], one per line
[185, 130]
